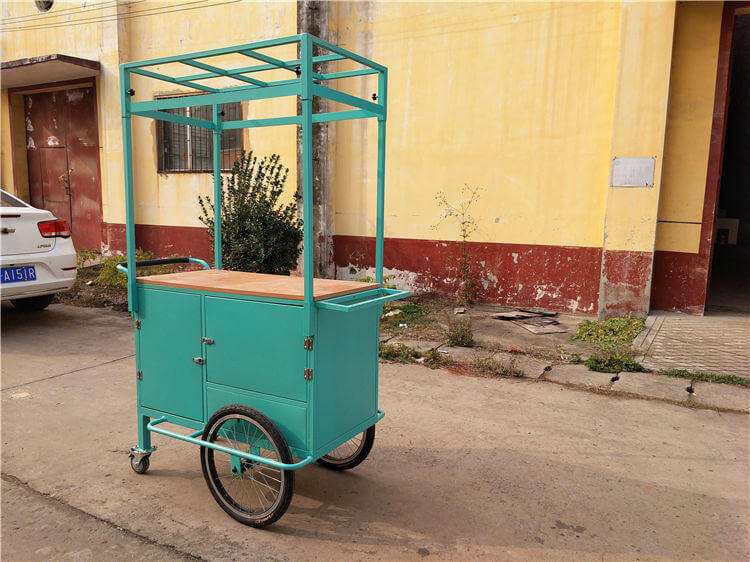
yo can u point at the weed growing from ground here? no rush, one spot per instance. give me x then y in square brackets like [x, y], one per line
[460, 334]
[398, 353]
[705, 377]
[434, 359]
[494, 368]
[461, 214]
[609, 365]
[612, 339]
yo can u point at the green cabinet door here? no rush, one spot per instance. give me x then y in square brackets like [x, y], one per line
[169, 339]
[257, 346]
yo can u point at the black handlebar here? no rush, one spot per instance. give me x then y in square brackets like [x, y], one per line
[158, 261]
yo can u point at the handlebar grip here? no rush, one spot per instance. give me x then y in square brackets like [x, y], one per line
[158, 261]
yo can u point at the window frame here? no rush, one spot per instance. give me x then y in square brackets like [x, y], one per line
[160, 138]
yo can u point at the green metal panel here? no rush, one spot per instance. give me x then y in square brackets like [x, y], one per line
[345, 377]
[289, 418]
[170, 337]
[257, 346]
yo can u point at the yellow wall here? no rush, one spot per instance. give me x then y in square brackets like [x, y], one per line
[691, 104]
[518, 98]
[514, 97]
[164, 199]
[640, 115]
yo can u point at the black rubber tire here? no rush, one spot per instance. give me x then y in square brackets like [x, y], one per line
[140, 463]
[357, 458]
[32, 304]
[210, 474]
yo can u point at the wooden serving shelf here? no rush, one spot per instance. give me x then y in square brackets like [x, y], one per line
[256, 284]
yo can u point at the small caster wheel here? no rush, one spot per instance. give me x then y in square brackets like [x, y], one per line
[139, 463]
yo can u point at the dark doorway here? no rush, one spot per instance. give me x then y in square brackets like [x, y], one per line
[62, 148]
[730, 270]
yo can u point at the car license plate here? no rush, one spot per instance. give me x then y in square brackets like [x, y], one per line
[18, 273]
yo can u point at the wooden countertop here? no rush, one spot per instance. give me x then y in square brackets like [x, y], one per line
[257, 284]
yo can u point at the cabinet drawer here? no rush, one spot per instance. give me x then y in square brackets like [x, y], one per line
[257, 346]
[291, 420]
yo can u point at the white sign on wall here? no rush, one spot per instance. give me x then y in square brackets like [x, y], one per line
[632, 172]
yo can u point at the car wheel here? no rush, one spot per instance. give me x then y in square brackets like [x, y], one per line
[32, 304]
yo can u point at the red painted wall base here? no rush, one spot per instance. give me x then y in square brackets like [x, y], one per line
[679, 282]
[563, 278]
[162, 241]
[555, 277]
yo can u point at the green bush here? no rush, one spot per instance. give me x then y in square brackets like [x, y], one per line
[612, 339]
[460, 334]
[258, 233]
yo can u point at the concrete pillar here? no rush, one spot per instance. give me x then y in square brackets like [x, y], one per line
[313, 18]
[638, 130]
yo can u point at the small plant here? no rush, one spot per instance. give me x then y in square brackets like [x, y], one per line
[398, 353]
[576, 359]
[460, 334]
[409, 314]
[610, 365]
[434, 359]
[258, 232]
[494, 368]
[82, 256]
[612, 339]
[461, 214]
[705, 377]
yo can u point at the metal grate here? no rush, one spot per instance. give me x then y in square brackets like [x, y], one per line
[184, 148]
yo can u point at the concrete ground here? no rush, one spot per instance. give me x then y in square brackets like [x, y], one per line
[462, 467]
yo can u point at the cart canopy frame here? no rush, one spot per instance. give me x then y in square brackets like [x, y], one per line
[304, 82]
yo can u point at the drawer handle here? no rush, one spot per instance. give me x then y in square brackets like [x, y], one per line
[199, 360]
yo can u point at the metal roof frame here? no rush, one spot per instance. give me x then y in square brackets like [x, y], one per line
[306, 84]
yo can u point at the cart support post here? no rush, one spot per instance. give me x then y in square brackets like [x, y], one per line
[127, 156]
[307, 180]
[379, 234]
[144, 434]
[217, 185]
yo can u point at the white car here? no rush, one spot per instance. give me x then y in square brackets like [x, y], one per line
[38, 257]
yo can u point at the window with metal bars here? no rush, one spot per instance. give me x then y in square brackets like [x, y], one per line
[184, 148]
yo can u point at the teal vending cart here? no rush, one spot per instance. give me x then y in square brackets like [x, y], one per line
[270, 372]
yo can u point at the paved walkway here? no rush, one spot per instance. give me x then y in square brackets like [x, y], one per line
[717, 342]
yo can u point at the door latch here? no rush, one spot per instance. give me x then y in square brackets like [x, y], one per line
[308, 374]
[207, 341]
[199, 360]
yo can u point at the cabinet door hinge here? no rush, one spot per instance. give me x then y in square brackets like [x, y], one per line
[207, 341]
[308, 343]
[199, 360]
[139, 375]
[308, 374]
[137, 324]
